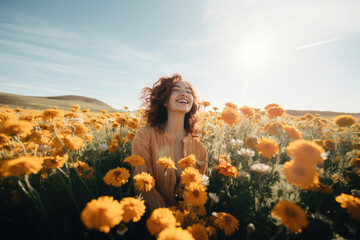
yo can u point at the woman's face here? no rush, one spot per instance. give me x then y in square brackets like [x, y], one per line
[181, 99]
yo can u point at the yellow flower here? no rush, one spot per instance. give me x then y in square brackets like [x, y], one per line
[329, 144]
[305, 151]
[144, 181]
[160, 219]
[275, 112]
[102, 214]
[344, 120]
[301, 175]
[133, 209]
[166, 163]
[292, 216]
[135, 160]
[198, 231]
[21, 166]
[117, 177]
[230, 115]
[251, 142]
[292, 132]
[267, 147]
[188, 161]
[53, 162]
[190, 175]
[227, 222]
[175, 234]
[351, 203]
[21, 128]
[195, 194]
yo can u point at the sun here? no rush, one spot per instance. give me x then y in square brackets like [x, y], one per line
[255, 53]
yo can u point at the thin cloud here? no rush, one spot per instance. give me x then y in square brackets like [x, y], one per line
[319, 43]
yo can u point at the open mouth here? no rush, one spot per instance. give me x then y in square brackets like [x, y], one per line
[182, 101]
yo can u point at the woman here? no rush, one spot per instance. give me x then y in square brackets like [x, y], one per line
[170, 108]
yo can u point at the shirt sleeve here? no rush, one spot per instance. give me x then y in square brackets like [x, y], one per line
[203, 159]
[141, 146]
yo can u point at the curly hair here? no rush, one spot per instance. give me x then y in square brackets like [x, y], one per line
[154, 98]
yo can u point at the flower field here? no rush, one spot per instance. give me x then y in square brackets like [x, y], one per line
[68, 175]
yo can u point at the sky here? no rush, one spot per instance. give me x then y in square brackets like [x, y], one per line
[302, 55]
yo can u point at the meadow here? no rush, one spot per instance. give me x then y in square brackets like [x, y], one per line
[271, 175]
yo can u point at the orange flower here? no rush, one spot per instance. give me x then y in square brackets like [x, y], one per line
[251, 142]
[267, 147]
[53, 162]
[305, 151]
[190, 175]
[351, 203]
[144, 181]
[198, 231]
[133, 209]
[247, 111]
[175, 234]
[195, 194]
[329, 144]
[271, 105]
[135, 160]
[117, 177]
[227, 222]
[21, 166]
[84, 169]
[231, 105]
[292, 132]
[227, 169]
[21, 128]
[344, 120]
[160, 219]
[292, 216]
[166, 163]
[102, 214]
[187, 161]
[230, 115]
[275, 112]
[301, 175]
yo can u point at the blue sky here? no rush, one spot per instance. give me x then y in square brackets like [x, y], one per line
[303, 55]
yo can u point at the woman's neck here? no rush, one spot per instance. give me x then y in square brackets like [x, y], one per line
[175, 124]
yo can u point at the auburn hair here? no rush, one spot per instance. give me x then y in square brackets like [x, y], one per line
[155, 97]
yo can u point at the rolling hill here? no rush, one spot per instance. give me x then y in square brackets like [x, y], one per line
[66, 102]
[62, 102]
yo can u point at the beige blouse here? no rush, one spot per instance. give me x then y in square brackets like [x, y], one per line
[152, 145]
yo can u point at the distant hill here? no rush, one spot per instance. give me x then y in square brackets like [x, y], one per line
[62, 102]
[325, 114]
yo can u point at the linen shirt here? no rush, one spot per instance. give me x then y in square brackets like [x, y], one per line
[151, 145]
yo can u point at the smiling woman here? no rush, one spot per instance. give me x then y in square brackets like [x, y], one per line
[170, 108]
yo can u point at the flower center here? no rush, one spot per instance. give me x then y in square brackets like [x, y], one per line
[299, 171]
[227, 219]
[196, 193]
[290, 212]
[117, 173]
